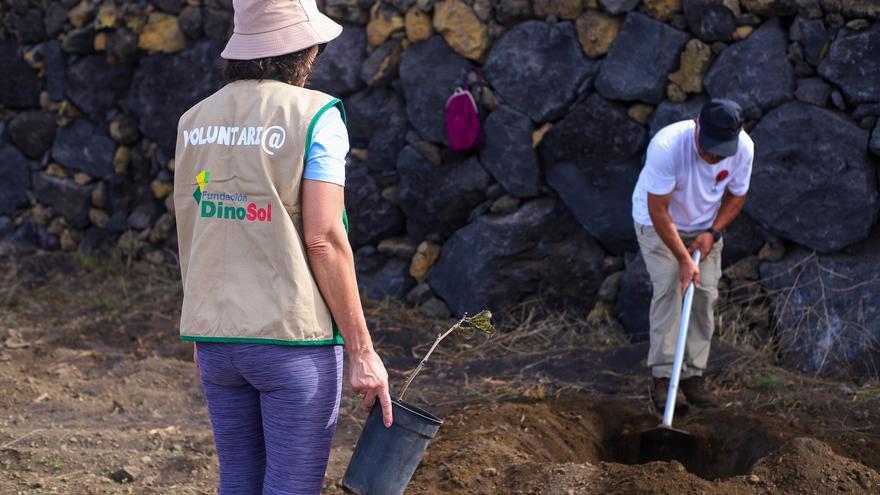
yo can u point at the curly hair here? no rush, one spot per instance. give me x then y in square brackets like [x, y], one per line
[292, 68]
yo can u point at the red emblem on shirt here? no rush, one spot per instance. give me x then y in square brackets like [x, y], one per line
[721, 175]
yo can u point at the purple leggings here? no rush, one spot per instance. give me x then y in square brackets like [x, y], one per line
[273, 409]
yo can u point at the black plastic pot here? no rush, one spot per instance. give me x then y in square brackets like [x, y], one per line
[385, 459]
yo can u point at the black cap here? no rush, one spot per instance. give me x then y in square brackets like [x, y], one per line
[720, 123]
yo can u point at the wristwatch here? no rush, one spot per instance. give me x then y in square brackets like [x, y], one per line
[716, 236]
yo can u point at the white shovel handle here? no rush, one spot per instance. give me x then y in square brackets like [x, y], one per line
[680, 343]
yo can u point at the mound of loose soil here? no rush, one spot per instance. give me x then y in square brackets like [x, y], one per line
[808, 466]
[591, 445]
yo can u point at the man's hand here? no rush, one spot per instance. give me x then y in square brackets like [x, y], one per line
[369, 378]
[688, 271]
[704, 242]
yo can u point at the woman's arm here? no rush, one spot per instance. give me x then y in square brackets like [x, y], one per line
[332, 263]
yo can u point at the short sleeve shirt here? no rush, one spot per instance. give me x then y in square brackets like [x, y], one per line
[325, 161]
[673, 166]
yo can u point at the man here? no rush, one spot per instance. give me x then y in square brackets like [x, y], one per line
[693, 185]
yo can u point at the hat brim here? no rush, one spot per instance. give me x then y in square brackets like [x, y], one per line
[719, 147]
[318, 30]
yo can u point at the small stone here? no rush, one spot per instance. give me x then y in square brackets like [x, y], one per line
[108, 16]
[135, 18]
[55, 170]
[675, 94]
[99, 195]
[754, 479]
[838, 100]
[539, 134]
[676, 467]
[505, 204]
[399, 247]
[382, 65]
[161, 189]
[82, 178]
[418, 25]
[127, 474]
[57, 226]
[662, 10]
[423, 260]
[162, 229]
[79, 41]
[124, 130]
[461, 28]
[858, 24]
[190, 21]
[384, 20]
[596, 32]
[100, 43]
[69, 241]
[772, 251]
[81, 14]
[419, 294]
[710, 20]
[98, 217]
[615, 7]
[641, 113]
[32, 132]
[770, 8]
[742, 32]
[41, 214]
[695, 62]
[161, 34]
[122, 46]
[142, 216]
[121, 159]
[744, 269]
[390, 194]
[434, 308]
[561, 9]
[483, 9]
[610, 287]
[813, 90]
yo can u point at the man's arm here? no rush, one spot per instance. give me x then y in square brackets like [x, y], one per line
[658, 209]
[731, 206]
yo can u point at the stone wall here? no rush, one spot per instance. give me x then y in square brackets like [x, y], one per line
[91, 92]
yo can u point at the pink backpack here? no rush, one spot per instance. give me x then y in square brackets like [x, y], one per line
[462, 118]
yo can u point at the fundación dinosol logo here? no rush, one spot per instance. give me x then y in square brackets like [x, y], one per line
[211, 204]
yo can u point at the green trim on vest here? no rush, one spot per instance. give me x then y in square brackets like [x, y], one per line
[336, 340]
[335, 102]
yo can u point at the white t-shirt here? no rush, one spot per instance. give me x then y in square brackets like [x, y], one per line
[673, 165]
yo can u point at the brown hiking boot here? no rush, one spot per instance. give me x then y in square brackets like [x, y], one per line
[658, 395]
[694, 389]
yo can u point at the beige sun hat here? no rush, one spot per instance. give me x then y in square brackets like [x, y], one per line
[269, 28]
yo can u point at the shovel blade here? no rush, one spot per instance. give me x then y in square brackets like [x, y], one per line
[666, 444]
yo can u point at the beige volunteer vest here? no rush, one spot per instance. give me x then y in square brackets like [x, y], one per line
[237, 189]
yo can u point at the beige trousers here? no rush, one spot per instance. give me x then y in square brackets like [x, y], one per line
[667, 301]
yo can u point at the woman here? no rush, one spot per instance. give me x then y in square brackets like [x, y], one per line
[268, 275]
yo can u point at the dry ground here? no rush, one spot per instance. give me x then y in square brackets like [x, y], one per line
[94, 382]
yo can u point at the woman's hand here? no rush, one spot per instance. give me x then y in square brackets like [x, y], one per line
[369, 378]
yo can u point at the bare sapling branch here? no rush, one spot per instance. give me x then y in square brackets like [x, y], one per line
[482, 322]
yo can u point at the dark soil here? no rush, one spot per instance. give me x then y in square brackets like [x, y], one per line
[95, 382]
